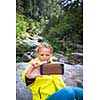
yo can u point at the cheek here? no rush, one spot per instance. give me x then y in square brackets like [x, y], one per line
[48, 57]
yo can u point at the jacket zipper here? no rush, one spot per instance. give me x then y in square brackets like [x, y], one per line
[39, 93]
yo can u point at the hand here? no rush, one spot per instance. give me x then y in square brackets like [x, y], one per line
[34, 70]
[34, 64]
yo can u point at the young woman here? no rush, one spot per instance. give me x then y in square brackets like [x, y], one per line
[48, 87]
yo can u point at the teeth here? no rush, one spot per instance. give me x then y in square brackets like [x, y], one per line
[42, 62]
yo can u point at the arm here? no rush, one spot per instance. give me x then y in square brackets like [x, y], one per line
[31, 73]
[34, 70]
[25, 78]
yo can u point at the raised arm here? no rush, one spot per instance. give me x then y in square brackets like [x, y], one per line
[34, 70]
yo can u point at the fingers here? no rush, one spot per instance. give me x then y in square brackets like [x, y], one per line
[43, 62]
[36, 67]
[35, 64]
[38, 64]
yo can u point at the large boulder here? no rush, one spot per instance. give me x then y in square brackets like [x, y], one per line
[73, 75]
[22, 92]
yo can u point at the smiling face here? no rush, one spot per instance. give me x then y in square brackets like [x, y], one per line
[44, 53]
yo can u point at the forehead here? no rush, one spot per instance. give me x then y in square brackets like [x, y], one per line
[44, 50]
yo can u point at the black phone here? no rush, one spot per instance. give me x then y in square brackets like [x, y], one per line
[47, 69]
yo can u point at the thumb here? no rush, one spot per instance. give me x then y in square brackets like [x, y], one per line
[43, 62]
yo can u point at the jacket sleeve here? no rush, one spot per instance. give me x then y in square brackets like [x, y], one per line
[24, 72]
[23, 76]
[24, 79]
[58, 81]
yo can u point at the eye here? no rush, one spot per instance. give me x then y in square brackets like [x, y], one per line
[41, 54]
[47, 55]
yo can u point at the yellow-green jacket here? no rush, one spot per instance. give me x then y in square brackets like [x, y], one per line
[44, 86]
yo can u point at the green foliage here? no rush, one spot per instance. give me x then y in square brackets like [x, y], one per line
[20, 6]
[60, 26]
[21, 26]
[19, 59]
[25, 27]
[23, 48]
[60, 33]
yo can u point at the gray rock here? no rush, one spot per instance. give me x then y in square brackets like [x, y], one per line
[73, 74]
[22, 92]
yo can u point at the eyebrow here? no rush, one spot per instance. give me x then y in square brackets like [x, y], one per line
[44, 54]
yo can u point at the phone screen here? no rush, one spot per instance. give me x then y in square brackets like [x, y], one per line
[47, 69]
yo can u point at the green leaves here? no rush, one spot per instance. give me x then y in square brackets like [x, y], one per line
[60, 26]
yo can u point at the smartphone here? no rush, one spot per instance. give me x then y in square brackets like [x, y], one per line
[47, 69]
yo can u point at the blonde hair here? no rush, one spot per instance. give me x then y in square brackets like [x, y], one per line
[46, 45]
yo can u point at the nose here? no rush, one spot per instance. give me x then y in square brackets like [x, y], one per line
[44, 57]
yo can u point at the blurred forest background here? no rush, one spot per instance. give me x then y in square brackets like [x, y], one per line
[59, 22]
